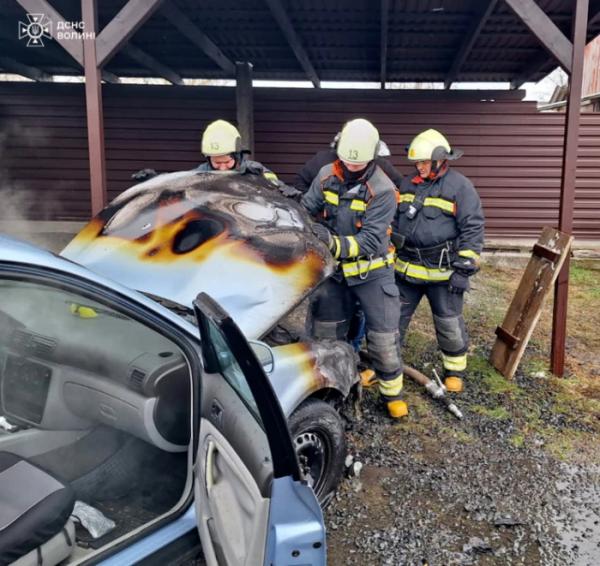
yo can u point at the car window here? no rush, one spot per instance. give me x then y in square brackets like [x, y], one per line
[231, 370]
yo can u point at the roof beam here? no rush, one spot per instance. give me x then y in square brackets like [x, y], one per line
[538, 63]
[73, 44]
[32, 73]
[385, 16]
[545, 30]
[485, 10]
[120, 29]
[146, 60]
[197, 37]
[287, 28]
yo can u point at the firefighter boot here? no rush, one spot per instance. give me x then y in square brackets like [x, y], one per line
[368, 378]
[397, 408]
[390, 389]
[453, 381]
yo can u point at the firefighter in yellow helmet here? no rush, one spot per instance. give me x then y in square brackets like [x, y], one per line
[222, 147]
[438, 233]
[354, 202]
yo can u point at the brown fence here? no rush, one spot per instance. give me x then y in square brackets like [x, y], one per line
[512, 153]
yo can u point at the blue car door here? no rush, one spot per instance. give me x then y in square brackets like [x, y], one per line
[251, 505]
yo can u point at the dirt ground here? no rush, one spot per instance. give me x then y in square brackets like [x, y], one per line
[516, 482]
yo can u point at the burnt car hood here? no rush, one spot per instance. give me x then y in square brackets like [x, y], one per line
[231, 236]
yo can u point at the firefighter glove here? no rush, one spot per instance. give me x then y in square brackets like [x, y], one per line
[458, 283]
[323, 234]
[398, 240]
[290, 192]
[144, 174]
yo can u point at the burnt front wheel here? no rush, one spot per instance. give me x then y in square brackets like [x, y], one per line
[317, 430]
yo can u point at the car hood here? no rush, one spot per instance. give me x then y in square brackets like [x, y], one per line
[231, 236]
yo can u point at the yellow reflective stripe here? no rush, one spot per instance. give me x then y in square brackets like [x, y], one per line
[391, 387]
[407, 197]
[468, 253]
[337, 247]
[364, 265]
[353, 249]
[422, 272]
[455, 363]
[359, 205]
[331, 198]
[444, 204]
[270, 176]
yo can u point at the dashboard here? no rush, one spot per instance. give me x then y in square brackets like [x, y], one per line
[68, 365]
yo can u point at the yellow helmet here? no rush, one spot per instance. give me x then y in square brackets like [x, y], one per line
[359, 141]
[430, 144]
[221, 138]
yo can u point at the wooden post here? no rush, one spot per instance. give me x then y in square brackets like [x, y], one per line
[245, 104]
[567, 194]
[548, 256]
[93, 102]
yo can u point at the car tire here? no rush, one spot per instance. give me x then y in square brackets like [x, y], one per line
[317, 431]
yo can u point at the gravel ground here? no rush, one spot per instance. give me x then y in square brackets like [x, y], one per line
[516, 482]
[449, 492]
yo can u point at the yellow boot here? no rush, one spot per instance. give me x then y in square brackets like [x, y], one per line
[368, 378]
[397, 409]
[453, 384]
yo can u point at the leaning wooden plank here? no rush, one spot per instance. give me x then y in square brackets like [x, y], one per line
[538, 280]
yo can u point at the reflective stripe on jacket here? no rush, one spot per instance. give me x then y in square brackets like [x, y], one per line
[359, 214]
[451, 212]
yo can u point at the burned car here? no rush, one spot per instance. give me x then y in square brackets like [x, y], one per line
[137, 391]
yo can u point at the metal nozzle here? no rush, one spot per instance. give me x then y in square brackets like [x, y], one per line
[455, 410]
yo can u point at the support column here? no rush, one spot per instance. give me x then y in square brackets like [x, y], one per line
[567, 194]
[245, 104]
[93, 102]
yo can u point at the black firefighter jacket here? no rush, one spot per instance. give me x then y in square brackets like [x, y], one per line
[448, 211]
[358, 212]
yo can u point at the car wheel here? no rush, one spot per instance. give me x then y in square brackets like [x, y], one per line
[317, 431]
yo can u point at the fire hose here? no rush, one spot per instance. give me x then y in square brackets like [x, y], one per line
[435, 388]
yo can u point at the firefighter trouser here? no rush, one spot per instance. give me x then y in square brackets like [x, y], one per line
[331, 312]
[447, 318]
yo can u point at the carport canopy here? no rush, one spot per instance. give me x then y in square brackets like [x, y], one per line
[316, 40]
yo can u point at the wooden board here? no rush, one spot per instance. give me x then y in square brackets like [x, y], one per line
[538, 280]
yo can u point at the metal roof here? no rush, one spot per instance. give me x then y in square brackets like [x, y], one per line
[340, 39]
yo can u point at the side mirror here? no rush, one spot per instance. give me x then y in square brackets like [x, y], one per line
[264, 355]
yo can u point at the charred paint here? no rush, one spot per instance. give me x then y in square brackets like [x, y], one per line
[303, 368]
[232, 236]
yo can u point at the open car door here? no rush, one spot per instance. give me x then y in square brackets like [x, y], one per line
[251, 506]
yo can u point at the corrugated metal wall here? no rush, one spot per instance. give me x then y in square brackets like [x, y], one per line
[512, 152]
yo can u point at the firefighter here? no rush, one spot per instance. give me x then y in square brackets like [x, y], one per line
[438, 233]
[222, 147]
[355, 202]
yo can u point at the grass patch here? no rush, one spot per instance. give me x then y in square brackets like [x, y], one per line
[587, 278]
[460, 436]
[517, 440]
[564, 445]
[493, 381]
[497, 413]
[536, 366]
